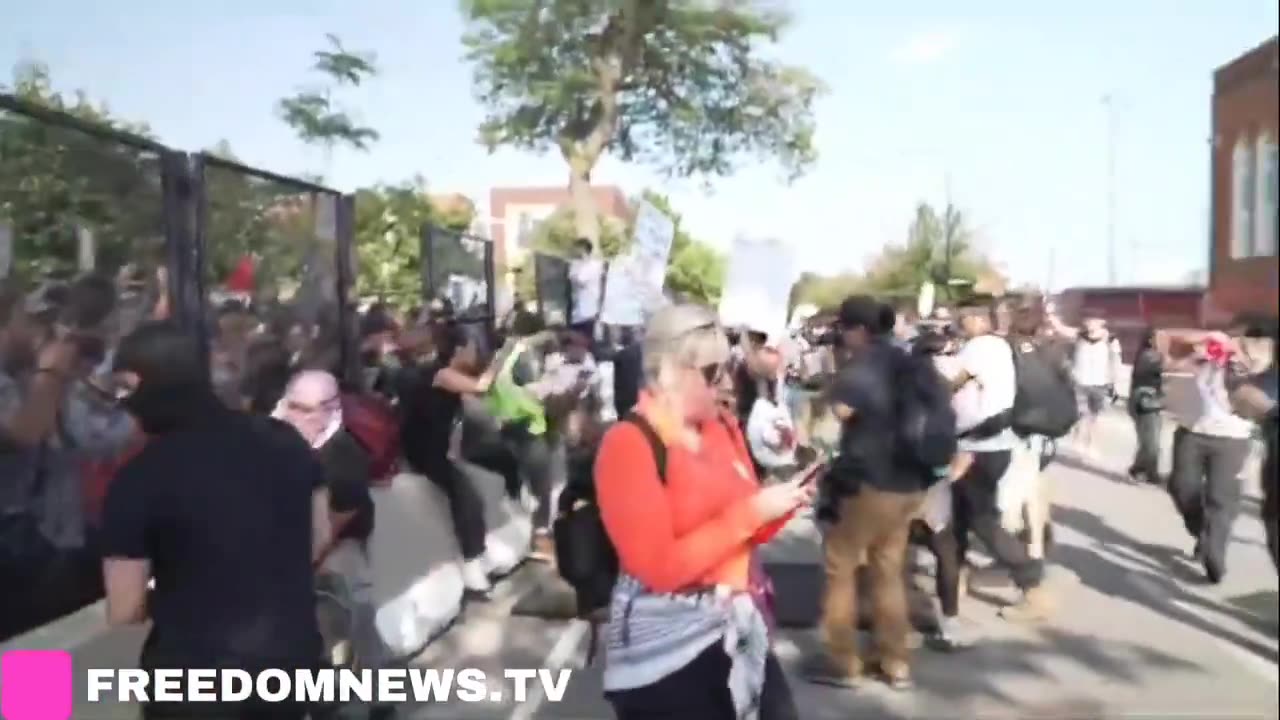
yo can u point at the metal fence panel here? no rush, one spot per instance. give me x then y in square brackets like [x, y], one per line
[461, 268]
[270, 267]
[554, 290]
[88, 218]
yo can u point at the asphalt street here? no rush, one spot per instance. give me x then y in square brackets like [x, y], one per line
[1139, 632]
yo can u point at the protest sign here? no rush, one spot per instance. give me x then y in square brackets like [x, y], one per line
[635, 280]
[758, 286]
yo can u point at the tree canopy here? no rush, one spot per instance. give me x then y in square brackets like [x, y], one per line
[60, 186]
[388, 232]
[312, 112]
[679, 84]
[954, 265]
[57, 183]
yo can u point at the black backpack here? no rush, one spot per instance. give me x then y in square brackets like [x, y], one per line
[585, 556]
[926, 434]
[1045, 402]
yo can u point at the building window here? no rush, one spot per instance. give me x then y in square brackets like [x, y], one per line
[1243, 195]
[1268, 197]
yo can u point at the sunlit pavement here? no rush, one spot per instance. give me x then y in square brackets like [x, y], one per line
[1138, 634]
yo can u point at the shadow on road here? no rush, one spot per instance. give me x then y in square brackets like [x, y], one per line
[1156, 582]
[1082, 465]
[986, 674]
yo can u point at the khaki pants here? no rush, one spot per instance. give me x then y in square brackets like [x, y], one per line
[873, 528]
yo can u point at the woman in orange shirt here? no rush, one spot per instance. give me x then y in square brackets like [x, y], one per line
[686, 638]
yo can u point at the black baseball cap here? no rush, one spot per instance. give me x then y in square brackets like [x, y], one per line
[859, 311]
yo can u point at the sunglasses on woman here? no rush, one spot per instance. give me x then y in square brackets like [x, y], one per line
[713, 374]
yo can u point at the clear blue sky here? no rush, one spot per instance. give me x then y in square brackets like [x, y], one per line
[1002, 97]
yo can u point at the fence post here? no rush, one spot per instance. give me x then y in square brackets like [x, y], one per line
[427, 261]
[184, 214]
[345, 213]
[490, 291]
[538, 280]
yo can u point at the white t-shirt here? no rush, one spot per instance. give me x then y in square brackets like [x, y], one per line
[989, 359]
[1212, 415]
[1094, 362]
[586, 274]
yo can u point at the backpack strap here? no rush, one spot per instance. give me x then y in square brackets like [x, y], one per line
[641, 423]
[659, 449]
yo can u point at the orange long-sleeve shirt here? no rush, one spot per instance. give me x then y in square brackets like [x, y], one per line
[699, 528]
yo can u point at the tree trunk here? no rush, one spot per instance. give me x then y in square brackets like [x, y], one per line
[586, 217]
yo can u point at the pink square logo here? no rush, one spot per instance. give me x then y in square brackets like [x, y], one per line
[36, 685]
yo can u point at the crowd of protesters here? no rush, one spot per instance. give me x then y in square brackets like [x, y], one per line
[254, 478]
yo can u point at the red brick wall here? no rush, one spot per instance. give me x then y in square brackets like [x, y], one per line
[1130, 311]
[1244, 105]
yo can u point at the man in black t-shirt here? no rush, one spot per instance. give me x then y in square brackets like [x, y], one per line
[876, 504]
[221, 508]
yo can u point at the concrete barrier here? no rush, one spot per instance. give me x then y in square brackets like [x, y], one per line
[417, 566]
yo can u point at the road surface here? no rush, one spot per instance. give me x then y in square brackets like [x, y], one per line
[1139, 633]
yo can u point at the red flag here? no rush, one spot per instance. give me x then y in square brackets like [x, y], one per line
[241, 278]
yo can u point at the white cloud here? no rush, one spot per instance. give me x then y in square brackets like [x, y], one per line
[926, 47]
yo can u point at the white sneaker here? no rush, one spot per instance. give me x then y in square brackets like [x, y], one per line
[474, 576]
[498, 559]
[954, 634]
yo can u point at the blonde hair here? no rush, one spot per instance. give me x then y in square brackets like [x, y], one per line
[682, 336]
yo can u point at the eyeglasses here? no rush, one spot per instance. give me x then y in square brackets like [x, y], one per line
[713, 374]
[305, 409]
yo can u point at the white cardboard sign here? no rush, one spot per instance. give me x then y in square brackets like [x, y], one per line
[635, 281]
[758, 285]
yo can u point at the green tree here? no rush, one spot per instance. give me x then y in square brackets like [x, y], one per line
[824, 291]
[939, 248]
[675, 83]
[312, 112]
[696, 270]
[55, 180]
[388, 230]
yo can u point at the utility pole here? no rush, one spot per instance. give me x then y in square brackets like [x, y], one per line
[1108, 103]
[948, 235]
[1053, 268]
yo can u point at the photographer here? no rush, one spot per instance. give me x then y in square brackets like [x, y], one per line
[52, 420]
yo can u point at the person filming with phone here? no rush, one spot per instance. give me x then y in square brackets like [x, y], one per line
[689, 629]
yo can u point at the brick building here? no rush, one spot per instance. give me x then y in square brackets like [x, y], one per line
[1242, 263]
[515, 212]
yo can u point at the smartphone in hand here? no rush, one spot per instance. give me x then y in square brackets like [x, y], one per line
[814, 472]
